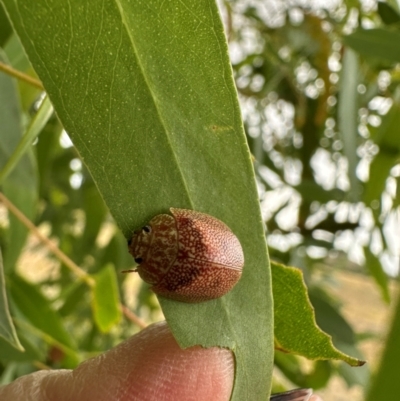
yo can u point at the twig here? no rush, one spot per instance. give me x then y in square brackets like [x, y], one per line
[20, 75]
[49, 244]
[132, 317]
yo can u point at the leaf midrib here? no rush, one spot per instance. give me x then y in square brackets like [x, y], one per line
[131, 39]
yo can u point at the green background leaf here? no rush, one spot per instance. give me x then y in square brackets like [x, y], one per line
[21, 185]
[378, 43]
[37, 310]
[375, 268]
[388, 14]
[105, 299]
[161, 127]
[386, 136]
[41, 118]
[386, 384]
[5, 27]
[296, 330]
[7, 329]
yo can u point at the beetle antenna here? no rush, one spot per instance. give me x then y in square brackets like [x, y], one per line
[129, 271]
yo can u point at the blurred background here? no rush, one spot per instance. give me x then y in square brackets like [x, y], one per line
[320, 98]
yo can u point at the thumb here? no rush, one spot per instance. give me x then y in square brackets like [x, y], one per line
[149, 366]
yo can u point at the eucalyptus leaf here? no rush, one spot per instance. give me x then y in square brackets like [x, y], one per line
[388, 14]
[7, 329]
[386, 384]
[378, 43]
[375, 269]
[20, 185]
[38, 311]
[29, 352]
[145, 90]
[296, 330]
[387, 137]
[5, 27]
[105, 299]
[38, 122]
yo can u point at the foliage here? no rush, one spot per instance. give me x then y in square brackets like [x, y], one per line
[159, 126]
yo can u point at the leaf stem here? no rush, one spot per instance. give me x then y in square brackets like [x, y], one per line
[20, 75]
[132, 316]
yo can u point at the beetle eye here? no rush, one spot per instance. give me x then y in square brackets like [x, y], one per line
[129, 242]
[146, 229]
[138, 260]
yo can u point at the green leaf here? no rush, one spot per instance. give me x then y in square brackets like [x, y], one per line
[146, 92]
[20, 186]
[105, 299]
[386, 384]
[378, 43]
[73, 297]
[375, 269]
[36, 309]
[387, 137]
[7, 329]
[38, 122]
[387, 13]
[329, 319]
[5, 27]
[394, 5]
[296, 330]
[348, 117]
[293, 369]
[379, 172]
[30, 352]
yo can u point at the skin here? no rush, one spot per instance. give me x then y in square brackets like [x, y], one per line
[149, 366]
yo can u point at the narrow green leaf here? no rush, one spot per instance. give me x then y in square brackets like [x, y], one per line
[5, 27]
[376, 271]
[146, 92]
[329, 319]
[69, 357]
[348, 117]
[38, 122]
[293, 368]
[7, 329]
[73, 297]
[386, 384]
[20, 186]
[37, 309]
[105, 299]
[296, 330]
[387, 13]
[379, 172]
[387, 137]
[394, 5]
[11, 354]
[378, 43]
